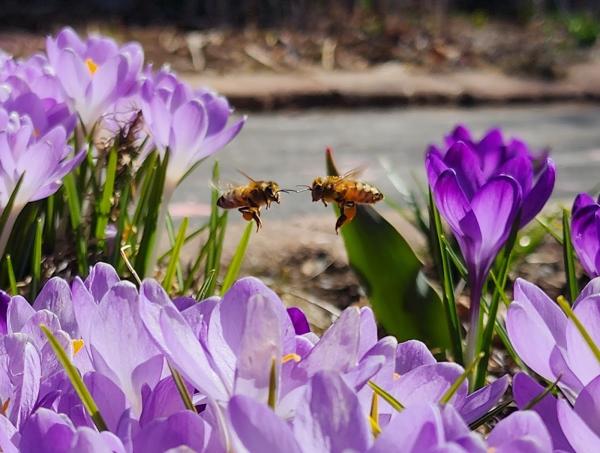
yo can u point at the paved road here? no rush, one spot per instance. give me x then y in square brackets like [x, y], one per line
[289, 147]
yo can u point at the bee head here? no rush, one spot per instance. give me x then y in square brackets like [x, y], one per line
[317, 189]
[272, 191]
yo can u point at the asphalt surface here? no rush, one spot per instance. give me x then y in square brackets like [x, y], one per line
[289, 148]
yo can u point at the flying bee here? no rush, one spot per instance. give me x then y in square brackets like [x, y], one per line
[249, 198]
[346, 191]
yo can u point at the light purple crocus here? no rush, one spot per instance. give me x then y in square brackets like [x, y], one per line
[41, 162]
[574, 427]
[585, 233]
[191, 125]
[548, 342]
[93, 73]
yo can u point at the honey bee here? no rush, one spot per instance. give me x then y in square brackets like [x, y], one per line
[249, 198]
[347, 192]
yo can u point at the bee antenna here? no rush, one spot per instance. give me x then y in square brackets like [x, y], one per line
[288, 190]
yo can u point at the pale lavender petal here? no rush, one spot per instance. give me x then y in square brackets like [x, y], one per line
[587, 405]
[261, 349]
[580, 435]
[183, 428]
[258, 428]
[19, 312]
[46, 432]
[416, 429]
[368, 331]
[108, 396]
[338, 348]
[526, 390]
[56, 297]
[580, 357]
[164, 400]
[189, 127]
[330, 417]
[215, 142]
[428, 383]
[524, 426]
[102, 277]
[412, 354]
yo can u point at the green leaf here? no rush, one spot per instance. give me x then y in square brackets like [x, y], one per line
[402, 299]
[76, 380]
[386, 396]
[174, 258]
[236, 262]
[155, 208]
[74, 205]
[569, 257]
[103, 208]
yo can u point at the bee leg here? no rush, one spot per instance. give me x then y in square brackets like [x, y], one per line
[250, 213]
[348, 211]
[324, 202]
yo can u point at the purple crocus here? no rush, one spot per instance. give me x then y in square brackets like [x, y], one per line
[585, 232]
[41, 162]
[481, 189]
[93, 73]
[494, 155]
[548, 342]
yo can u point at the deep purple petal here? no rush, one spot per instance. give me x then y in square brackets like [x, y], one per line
[534, 201]
[299, 320]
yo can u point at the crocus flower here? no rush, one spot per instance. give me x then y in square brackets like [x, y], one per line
[191, 125]
[481, 220]
[585, 233]
[93, 73]
[548, 342]
[481, 189]
[479, 161]
[41, 162]
[573, 427]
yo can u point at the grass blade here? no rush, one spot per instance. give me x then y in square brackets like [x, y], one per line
[569, 257]
[487, 417]
[564, 304]
[446, 397]
[174, 259]
[386, 396]
[236, 262]
[448, 299]
[36, 258]
[182, 389]
[11, 276]
[76, 380]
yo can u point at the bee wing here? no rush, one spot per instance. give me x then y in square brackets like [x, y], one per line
[354, 173]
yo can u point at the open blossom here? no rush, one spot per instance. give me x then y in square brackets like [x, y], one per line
[191, 125]
[574, 427]
[548, 342]
[93, 73]
[41, 162]
[585, 233]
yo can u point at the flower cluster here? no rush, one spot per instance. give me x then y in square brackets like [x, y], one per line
[258, 379]
[79, 89]
[554, 347]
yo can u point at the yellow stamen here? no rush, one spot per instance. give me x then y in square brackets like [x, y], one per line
[91, 65]
[77, 345]
[292, 356]
[4, 406]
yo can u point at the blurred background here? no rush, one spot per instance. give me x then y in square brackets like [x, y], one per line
[378, 80]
